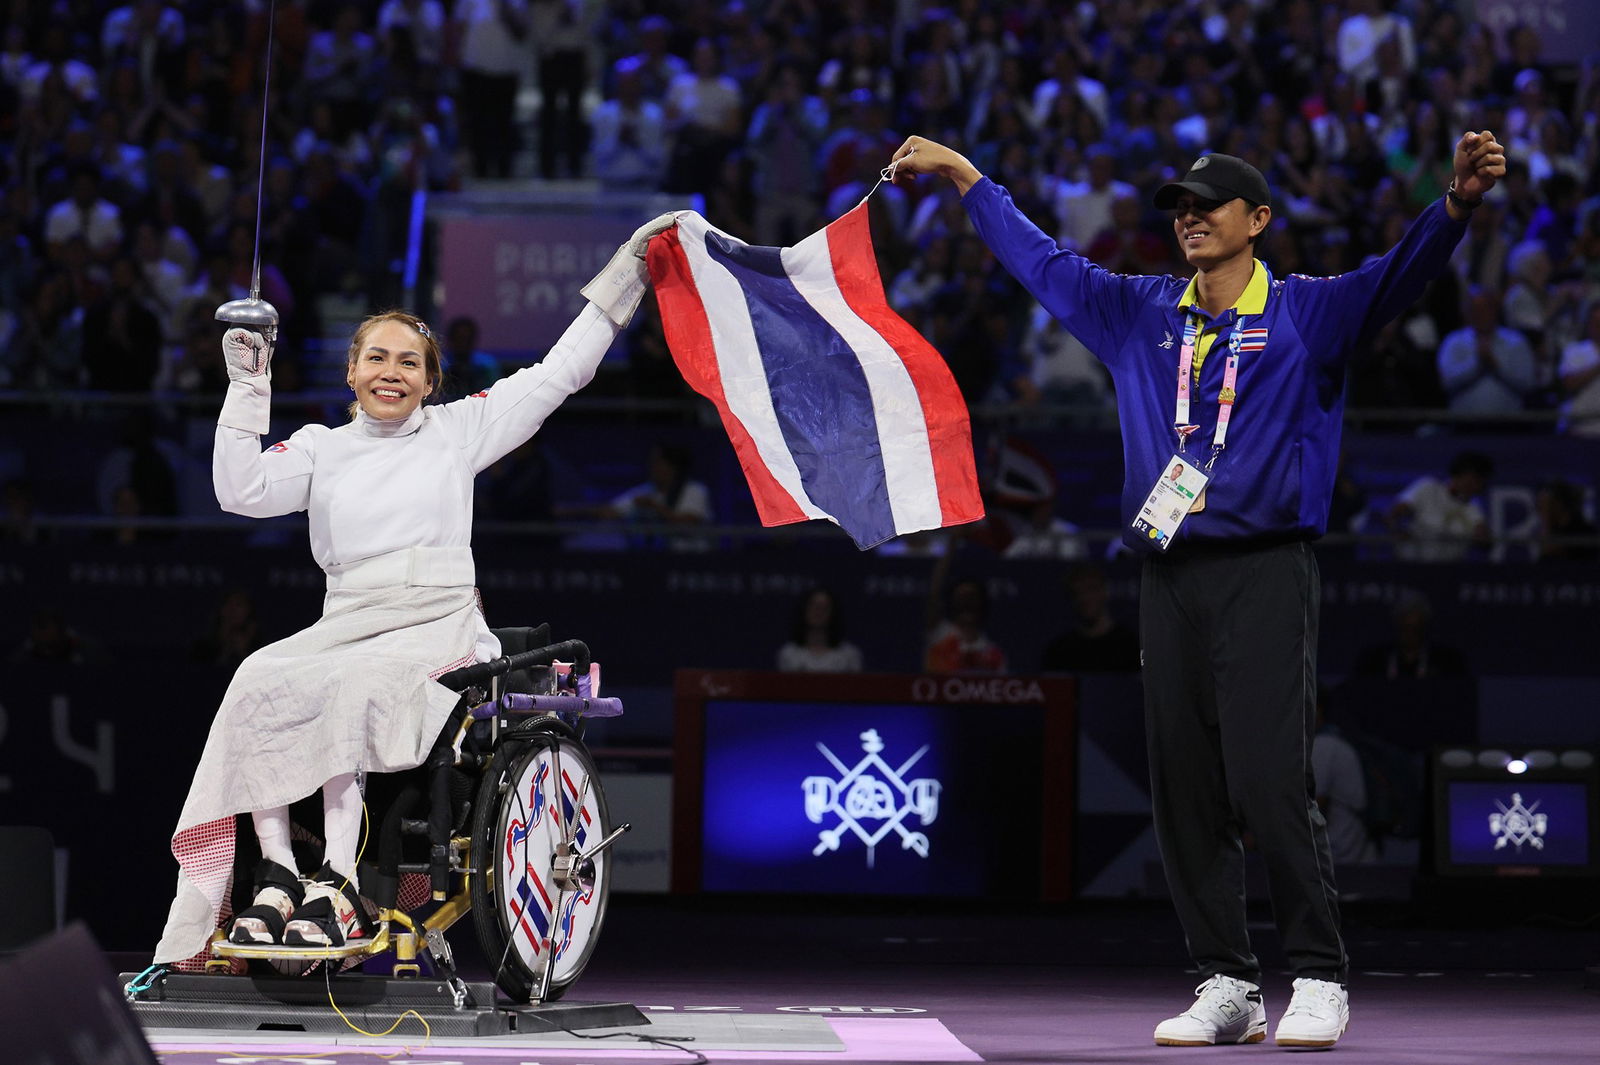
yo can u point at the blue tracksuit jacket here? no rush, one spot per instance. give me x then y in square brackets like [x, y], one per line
[1275, 479]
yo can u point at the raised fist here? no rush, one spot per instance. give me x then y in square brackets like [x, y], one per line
[246, 352]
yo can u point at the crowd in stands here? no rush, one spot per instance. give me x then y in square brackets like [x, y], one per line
[131, 147]
[131, 138]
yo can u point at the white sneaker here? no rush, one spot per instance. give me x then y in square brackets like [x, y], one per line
[1317, 1015]
[1225, 1010]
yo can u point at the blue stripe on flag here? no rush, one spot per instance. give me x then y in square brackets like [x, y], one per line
[819, 393]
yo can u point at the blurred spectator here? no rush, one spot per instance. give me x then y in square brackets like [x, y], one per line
[561, 30]
[1438, 521]
[18, 523]
[668, 497]
[1046, 535]
[424, 23]
[857, 64]
[1486, 368]
[730, 205]
[519, 487]
[1409, 654]
[233, 633]
[57, 64]
[338, 66]
[1084, 208]
[138, 477]
[1347, 510]
[50, 641]
[86, 215]
[1061, 369]
[815, 643]
[1363, 33]
[656, 66]
[1124, 246]
[1560, 507]
[1480, 258]
[1341, 792]
[705, 115]
[785, 132]
[1097, 642]
[630, 135]
[121, 335]
[466, 368]
[493, 35]
[1579, 374]
[49, 344]
[861, 143]
[1532, 306]
[956, 638]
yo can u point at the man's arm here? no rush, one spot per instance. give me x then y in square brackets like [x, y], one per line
[1341, 314]
[1096, 306]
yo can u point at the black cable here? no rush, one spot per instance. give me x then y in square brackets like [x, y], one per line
[675, 1043]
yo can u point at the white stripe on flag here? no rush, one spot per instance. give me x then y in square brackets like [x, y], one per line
[744, 379]
[901, 428]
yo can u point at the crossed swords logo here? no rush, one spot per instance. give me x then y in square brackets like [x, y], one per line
[867, 797]
[1518, 824]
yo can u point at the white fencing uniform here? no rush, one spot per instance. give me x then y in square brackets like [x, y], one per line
[390, 509]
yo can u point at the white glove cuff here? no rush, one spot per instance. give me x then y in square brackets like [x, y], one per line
[248, 405]
[617, 289]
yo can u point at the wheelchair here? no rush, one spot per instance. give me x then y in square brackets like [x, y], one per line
[513, 829]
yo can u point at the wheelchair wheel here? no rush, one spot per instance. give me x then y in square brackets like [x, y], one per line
[515, 829]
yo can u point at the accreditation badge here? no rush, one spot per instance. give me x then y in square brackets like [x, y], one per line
[1176, 495]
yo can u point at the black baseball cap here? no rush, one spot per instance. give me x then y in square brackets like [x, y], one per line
[1217, 177]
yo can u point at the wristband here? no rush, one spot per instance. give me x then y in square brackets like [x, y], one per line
[1465, 205]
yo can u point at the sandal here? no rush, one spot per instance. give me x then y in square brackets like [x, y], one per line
[330, 915]
[279, 893]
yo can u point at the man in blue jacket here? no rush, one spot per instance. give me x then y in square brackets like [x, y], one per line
[1230, 391]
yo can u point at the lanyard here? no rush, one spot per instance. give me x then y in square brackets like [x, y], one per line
[1227, 397]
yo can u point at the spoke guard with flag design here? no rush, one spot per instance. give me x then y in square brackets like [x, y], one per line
[836, 407]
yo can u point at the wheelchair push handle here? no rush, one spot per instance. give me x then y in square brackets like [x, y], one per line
[575, 651]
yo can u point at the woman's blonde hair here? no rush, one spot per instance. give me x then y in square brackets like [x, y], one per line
[430, 346]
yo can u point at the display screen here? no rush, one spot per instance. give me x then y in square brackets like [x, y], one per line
[872, 798]
[1523, 822]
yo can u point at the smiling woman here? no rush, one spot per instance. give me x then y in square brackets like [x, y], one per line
[389, 497]
[393, 365]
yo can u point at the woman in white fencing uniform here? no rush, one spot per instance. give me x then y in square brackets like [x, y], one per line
[389, 497]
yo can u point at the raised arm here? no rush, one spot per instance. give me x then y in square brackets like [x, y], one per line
[493, 423]
[248, 480]
[1097, 306]
[1380, 290]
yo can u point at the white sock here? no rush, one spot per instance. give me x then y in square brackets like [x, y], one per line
[272, 830]
[341, 824]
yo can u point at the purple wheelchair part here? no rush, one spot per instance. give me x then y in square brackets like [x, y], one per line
[577, 705]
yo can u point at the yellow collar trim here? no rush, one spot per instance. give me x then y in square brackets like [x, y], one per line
[1253, 300]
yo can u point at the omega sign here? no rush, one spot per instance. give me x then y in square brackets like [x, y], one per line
[976, 690]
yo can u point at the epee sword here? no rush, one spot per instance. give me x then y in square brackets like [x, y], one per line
[253, 312]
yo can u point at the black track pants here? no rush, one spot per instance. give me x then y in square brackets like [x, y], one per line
[1229, 642]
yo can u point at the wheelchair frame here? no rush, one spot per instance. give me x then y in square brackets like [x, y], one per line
[551, 718]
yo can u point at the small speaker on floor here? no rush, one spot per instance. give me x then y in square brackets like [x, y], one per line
[61, 1005]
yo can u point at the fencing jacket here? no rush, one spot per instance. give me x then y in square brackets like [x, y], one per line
[374, 486]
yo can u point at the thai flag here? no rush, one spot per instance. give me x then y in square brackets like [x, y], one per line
[836, 407]
[1252, 339]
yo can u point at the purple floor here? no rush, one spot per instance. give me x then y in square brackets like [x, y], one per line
[1085, 986]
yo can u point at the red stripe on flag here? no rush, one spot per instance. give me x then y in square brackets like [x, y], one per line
[688, 333]
[855, 266]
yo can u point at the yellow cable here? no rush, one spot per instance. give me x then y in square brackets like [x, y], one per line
[426, 1028]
